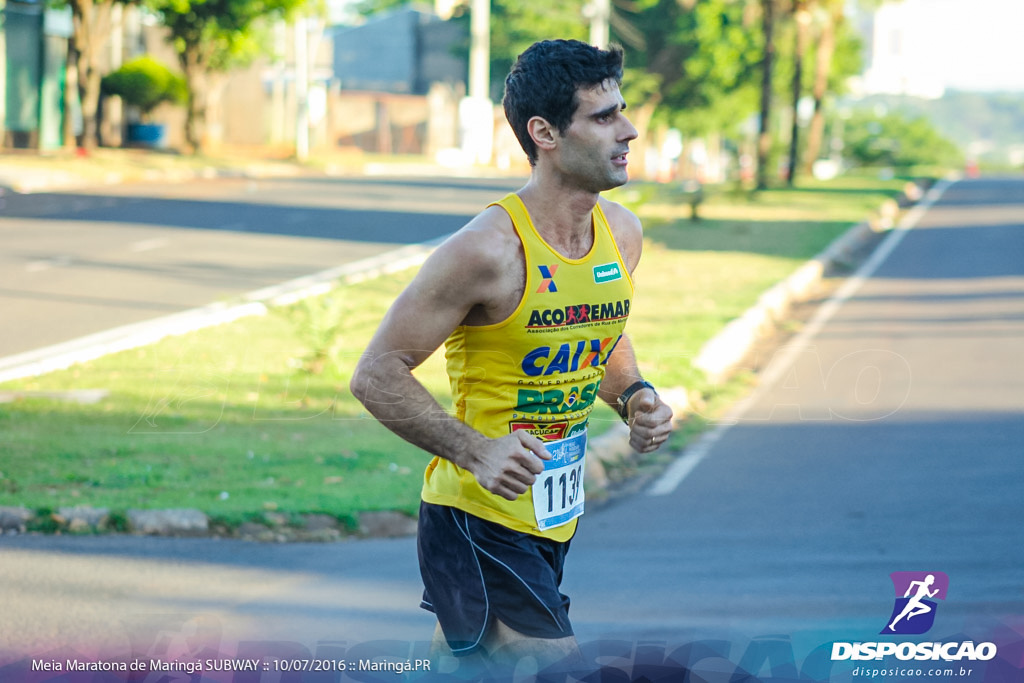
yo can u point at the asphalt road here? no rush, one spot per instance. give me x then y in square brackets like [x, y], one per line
[891, 443]
[78, 263]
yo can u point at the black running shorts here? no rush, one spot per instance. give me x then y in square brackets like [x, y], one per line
[475, 571]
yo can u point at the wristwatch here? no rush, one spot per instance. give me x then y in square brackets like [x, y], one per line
[624, 397]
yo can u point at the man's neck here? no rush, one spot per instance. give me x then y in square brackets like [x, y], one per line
[561, 214]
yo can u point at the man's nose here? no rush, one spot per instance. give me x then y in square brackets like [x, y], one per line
[629, 130]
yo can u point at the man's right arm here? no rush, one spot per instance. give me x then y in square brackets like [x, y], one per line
[452, 281]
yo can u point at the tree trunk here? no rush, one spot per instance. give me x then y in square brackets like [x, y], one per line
[193, 64]
[89, 78]
[70, 90]
[764, 140]
[823, 68]
[91, 30]
[803, 21]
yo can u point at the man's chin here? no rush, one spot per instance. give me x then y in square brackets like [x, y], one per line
[619, 179]
[609, 182]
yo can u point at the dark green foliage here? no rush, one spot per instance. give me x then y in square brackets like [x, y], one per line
[145, 83]
[893, 139]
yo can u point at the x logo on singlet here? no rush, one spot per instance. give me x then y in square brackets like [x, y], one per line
[548, 283]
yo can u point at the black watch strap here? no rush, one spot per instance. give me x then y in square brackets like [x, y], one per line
[624, 397]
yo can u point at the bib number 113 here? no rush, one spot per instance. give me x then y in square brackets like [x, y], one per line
[563, 493]
[558, 493]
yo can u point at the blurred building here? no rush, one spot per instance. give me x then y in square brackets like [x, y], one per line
[405, 51]
[389, 85]
[398, 79]
[33, 51]
[895, 49]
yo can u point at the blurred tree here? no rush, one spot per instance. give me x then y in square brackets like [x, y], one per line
[892, 139]
[837, 55]
[90, 31]
[986, 125]
[802, 20]
[211, 36]
[764, 136]
[704, 57]
[829, 18]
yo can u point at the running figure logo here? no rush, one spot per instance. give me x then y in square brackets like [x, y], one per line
[914, 612]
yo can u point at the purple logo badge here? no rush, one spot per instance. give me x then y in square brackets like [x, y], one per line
[916, 592]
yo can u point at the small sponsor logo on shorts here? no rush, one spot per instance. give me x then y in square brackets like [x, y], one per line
[607, 273]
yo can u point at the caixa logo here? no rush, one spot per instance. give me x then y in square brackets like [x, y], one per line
[913, 613]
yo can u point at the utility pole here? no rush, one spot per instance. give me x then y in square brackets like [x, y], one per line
[301, 90]
[278, 102]
[600, 13]
[476, 112]
[480, 49]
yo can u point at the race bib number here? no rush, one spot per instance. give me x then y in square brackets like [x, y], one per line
[558, 492]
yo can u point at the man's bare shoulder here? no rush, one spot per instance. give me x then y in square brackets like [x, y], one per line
[620, 218]
[626, 228]
[487, 243]
[480, 262]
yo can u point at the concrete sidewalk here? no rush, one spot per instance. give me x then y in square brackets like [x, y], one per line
[28, 172]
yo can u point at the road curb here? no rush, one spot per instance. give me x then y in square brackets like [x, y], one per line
[191, 523]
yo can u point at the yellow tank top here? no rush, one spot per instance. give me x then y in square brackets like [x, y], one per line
[537, 370]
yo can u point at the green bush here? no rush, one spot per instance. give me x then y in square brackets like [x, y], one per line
[144, 83]
[891, 139]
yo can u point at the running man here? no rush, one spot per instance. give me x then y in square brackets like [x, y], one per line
[530, 299]
[914, 606]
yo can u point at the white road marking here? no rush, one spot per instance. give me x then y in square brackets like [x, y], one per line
[65, 354]
[148, 245]
[41, 265]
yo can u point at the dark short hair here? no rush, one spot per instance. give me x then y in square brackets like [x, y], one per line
[544, 81]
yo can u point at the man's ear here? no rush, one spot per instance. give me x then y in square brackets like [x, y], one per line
[544, 135]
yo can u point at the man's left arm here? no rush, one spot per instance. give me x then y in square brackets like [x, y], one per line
[649, 418]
